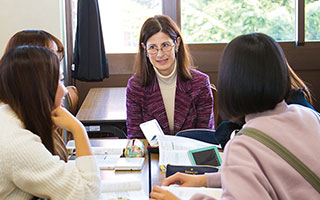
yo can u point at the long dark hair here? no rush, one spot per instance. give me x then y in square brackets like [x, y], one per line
[253, 76]
[29, 78]
[143, 68]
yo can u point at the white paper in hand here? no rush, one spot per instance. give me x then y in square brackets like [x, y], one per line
[150, 130]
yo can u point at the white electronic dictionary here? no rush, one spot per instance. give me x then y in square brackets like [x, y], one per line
[150, 130]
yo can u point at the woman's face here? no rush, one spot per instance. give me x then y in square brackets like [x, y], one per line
[61, 92]
[164, 58]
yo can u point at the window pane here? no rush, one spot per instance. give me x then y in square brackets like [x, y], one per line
[312, 22]
[207, 21]
[121, 22]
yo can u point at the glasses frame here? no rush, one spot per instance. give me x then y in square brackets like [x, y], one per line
[158, 49]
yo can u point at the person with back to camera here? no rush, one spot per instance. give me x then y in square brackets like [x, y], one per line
[164, 87]
[299, 94]
[253, 83]
[30, 98]
[43, 39]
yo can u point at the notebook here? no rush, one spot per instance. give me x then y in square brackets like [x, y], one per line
[101, 147]
[115, 162]
[130, 164]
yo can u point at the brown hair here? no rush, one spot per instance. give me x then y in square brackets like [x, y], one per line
[29, 78]
[297, 83]
[36, 38]
[143, 68]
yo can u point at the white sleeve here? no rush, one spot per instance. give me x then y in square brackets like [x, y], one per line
[36, 171]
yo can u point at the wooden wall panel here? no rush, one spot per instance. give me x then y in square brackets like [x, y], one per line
[305, 60]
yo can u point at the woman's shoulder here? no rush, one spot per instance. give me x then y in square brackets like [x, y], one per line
[298, 97]
[133, 80]
[196, 75]
[134, 83]
[134, 88]
[199, 79]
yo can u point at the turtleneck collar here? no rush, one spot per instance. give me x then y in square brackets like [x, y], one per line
[169, 79]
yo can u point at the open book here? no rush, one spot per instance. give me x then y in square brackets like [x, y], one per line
[185, 193]
[174, 149]
[122, 188]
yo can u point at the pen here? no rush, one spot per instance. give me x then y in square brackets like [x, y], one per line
[133, 142]
[154, 137]
[133, 145]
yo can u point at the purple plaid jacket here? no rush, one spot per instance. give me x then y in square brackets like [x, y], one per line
[193, 105]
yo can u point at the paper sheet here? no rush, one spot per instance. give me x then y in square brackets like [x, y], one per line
[122, 188]
[174, 150]
[185, 193]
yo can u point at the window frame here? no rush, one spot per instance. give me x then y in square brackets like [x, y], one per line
[206, 56]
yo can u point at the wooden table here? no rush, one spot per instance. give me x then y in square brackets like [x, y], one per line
[104, 110]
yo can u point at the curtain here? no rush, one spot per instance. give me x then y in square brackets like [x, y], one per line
[90, 62]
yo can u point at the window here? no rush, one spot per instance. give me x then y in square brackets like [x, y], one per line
[121, 22]
[221, 21]
[312, 22]
[205, 27]
[204, 21]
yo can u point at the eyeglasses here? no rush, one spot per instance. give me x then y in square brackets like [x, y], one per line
[165, 47]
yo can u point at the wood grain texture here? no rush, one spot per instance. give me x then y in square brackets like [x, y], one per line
[104, 105]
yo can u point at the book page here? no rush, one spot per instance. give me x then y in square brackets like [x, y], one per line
[120, 184]
[178, 157]
[103, 161]
[174, 150]
[122, 188]
[128, 195]
[185, 193]
[171, 142]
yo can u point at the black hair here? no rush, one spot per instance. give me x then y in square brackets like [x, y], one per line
[253, 76]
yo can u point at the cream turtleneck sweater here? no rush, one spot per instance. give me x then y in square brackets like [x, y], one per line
[167, 86]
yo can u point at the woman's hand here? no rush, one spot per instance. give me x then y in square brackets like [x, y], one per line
[158, 193]
[186, 180]
[64, 119]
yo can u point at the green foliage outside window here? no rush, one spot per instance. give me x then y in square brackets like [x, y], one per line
[207, 21]
[312, 22]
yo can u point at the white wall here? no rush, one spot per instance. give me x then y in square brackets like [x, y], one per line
[17, 15]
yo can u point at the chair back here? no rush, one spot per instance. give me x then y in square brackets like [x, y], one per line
[72, 99]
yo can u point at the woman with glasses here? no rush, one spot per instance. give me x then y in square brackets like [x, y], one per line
[164, 85]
